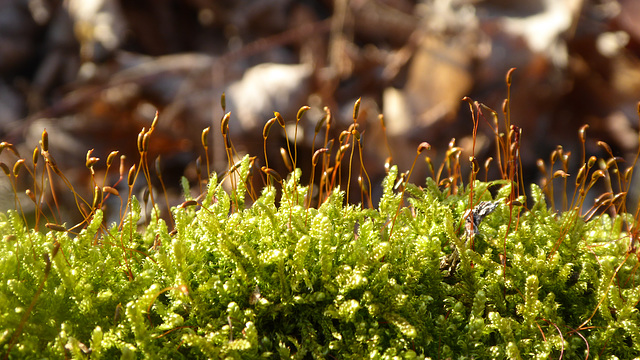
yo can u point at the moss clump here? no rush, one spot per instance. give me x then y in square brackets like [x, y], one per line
[441, 271]
[283, 280]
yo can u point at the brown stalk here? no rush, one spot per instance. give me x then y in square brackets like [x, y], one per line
[205, 144]
[265, 135]
[50, 165]
[353, 130]
[158, 163]
[386, 139]
[474, 118]
[131, 178]
[299, 115]
[199, 173]
[422, 147]
[429, 165]
[286, 159]
[487, 163]
[38, 196]
[363, 187]
[325, 158]
[110, 158]
[314, 162]
[289, 160]
[229, 149]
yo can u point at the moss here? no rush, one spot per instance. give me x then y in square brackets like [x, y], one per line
[247, 276]
[327, 282]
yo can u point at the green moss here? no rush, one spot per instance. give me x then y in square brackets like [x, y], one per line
[413, 278]
[282, 280]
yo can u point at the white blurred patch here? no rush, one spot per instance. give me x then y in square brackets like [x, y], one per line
[609, 44]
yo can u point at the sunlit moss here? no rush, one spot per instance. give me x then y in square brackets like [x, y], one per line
[274, 277]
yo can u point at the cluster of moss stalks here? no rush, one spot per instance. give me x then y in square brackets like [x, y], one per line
[243, 273]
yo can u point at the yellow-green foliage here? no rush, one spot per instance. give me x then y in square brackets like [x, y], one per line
[280, 280]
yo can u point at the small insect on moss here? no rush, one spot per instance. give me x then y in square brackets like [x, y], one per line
[474, 217]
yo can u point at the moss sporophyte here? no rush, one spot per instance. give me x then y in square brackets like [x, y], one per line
[450, 269]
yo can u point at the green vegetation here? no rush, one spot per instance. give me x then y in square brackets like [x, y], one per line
[278, 278]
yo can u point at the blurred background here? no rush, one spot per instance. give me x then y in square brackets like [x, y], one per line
[93, 73]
